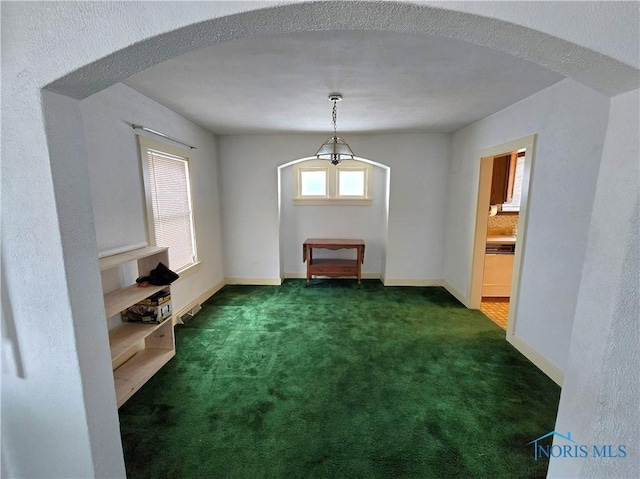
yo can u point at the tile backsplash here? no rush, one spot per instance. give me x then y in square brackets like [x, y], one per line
[503, 221]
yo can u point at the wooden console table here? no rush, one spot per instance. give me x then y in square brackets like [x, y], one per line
[333, 268]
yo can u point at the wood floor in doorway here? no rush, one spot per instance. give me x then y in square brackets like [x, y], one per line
[497, 310]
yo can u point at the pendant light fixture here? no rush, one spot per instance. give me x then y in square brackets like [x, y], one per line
[335, 149]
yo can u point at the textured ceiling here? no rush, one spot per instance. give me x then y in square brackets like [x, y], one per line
[390, 81]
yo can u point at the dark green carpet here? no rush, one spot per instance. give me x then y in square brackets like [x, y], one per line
[333, 381]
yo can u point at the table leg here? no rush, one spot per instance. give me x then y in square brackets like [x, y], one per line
[359, 265]
[308, 255]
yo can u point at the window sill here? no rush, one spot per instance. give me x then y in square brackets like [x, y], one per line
[189, 270]
[331, 202]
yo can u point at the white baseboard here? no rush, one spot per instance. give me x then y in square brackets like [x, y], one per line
[255, 281]
[536, 358]
[527, 351]
[412, 282]
[295, 276]
[456, 294]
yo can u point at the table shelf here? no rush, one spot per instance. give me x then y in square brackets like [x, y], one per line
[332, 267]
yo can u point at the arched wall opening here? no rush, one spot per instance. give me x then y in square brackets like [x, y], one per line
[604, 74]
[57, 201]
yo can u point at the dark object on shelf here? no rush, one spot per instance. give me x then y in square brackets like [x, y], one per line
[154, 309]
[160, 276]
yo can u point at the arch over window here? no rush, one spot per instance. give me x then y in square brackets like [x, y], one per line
[317, 182]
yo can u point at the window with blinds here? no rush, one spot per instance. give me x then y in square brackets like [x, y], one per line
[169, 195]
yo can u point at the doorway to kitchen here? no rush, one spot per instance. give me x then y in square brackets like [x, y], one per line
[500, 230]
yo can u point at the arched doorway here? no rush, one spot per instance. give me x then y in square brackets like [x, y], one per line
[59, 177]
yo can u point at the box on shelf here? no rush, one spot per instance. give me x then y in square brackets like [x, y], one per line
[155, 309]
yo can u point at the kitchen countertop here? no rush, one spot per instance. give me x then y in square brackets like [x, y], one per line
[501, 239]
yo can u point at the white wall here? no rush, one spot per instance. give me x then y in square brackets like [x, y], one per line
[417, 204]
[599, 401]
[249, 198]
[367, 222]
[67, 425]
[419, 168]
[570, 121]
[49, 243]
[582, 23]
[116, 180]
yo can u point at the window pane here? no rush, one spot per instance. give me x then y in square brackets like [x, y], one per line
[313, 183]
[171, 204]
[514, 204]
[351, 183]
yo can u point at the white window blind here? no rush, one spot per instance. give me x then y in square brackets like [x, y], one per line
[171, 203]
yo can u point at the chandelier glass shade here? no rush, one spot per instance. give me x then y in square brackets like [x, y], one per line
[335, 149]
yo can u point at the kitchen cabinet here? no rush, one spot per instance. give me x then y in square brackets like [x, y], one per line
[498, 272]
[503, 179]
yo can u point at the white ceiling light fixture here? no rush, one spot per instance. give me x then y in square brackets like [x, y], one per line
[335, 149]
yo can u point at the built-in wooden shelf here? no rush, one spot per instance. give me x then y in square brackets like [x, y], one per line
[112, 261]
[121, 299]
[138, 370]
[126, 336]
[138, 350]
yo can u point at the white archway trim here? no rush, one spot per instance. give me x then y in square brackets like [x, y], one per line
[599, 71]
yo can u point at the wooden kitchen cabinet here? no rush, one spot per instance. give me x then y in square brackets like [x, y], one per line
[503, 179]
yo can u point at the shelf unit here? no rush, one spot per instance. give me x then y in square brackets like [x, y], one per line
[138, 351]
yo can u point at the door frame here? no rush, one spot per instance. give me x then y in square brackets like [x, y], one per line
[480, 238]
[482, 219]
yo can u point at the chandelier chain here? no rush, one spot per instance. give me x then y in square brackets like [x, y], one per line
[335, 116]
[334, 149]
